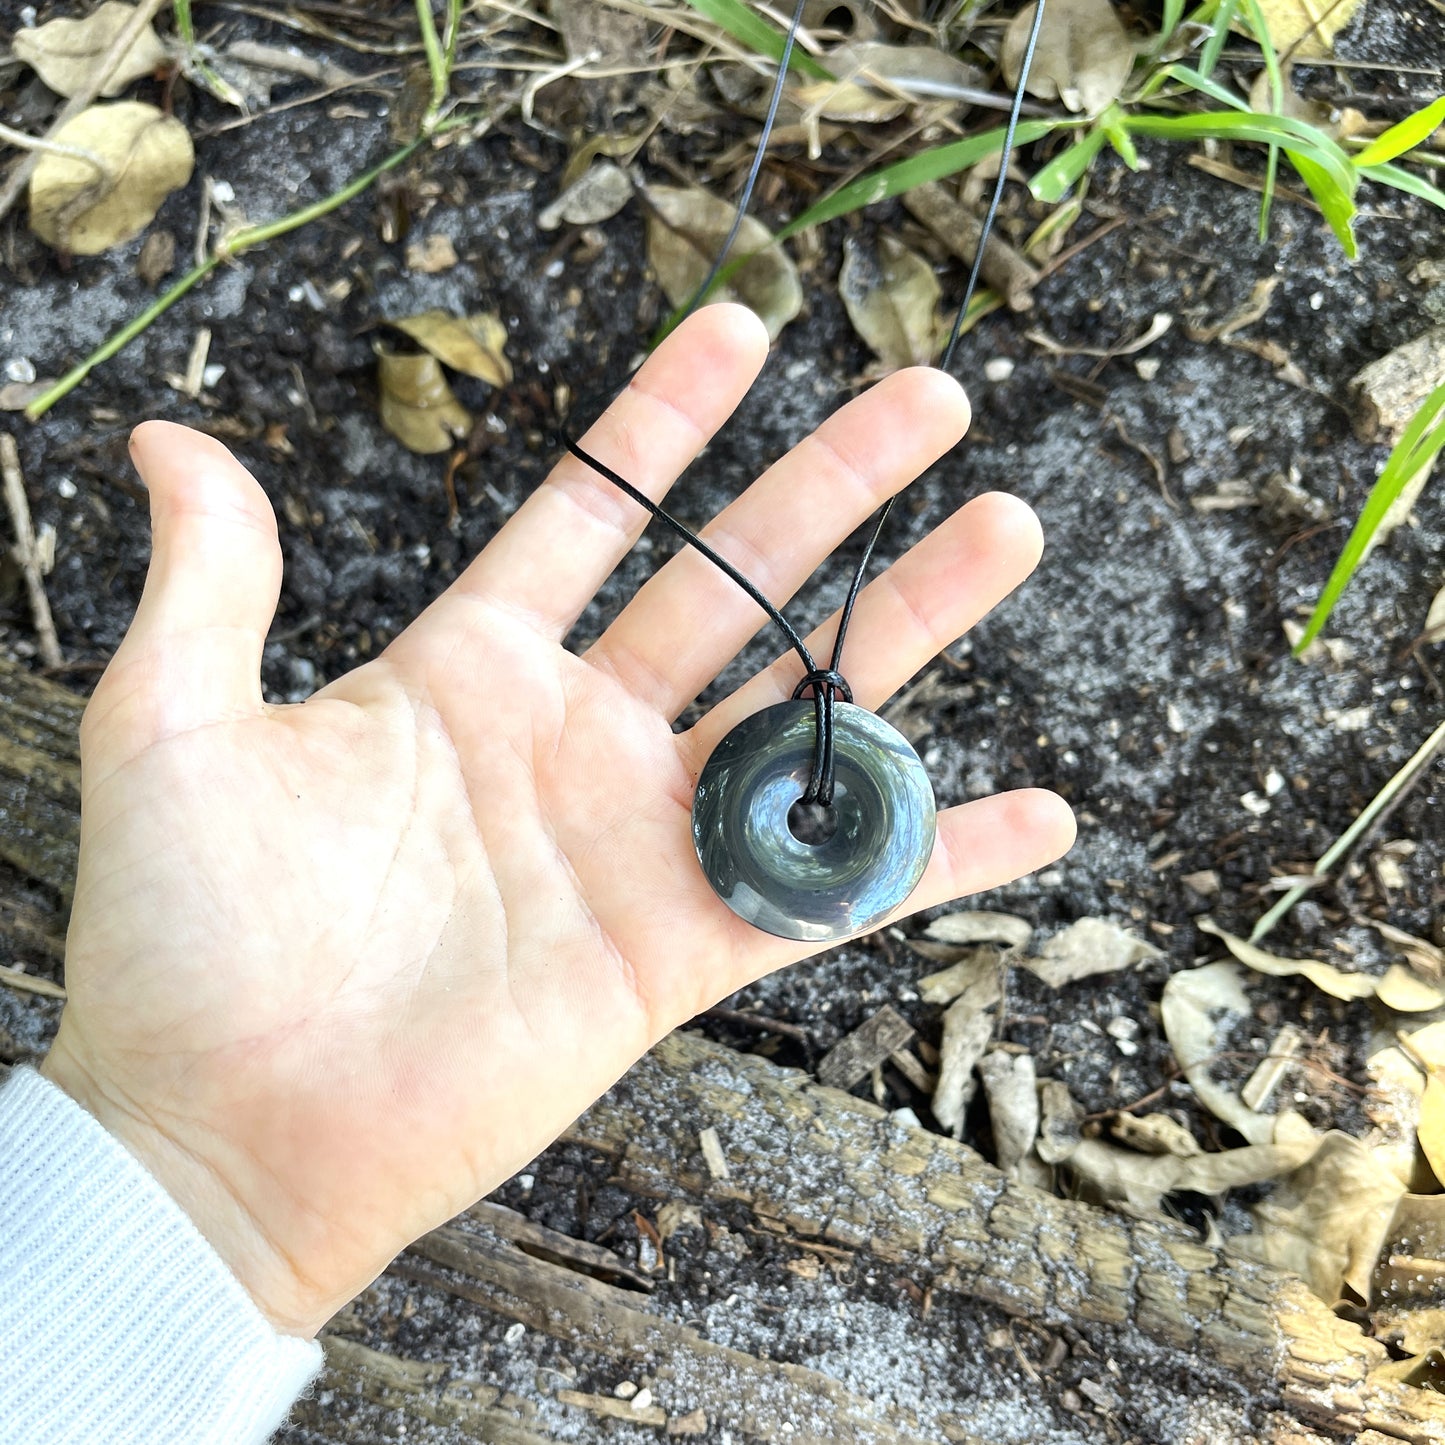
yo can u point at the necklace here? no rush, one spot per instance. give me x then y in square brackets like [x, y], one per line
[814, 819]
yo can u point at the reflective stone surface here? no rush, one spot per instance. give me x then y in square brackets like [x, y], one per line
[884, 831]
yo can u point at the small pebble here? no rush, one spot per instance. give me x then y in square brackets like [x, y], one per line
[624, 1389]
[514, 1333]
[998, 368]
[1273, 783]
[1147, 367]
[642, 1400]
[1253, 803]
[212, 374]
[21, 369]
[223, 192]
[66, 488]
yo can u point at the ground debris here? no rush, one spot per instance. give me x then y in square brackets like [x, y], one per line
[864, 1049]
[1083, 56]
[1087, 947]
[67, 54]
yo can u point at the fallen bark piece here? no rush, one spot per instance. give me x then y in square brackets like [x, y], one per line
[1004, 269]
[614, 1409]
[869, 1045]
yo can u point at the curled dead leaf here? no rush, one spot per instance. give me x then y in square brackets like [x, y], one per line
[1397, 988]
[980, 926]
[685, 229]
[1306, 27]
[1083, 57]
[1011, 1087]
[140, 156]
[1087, 947]
[1328, 1221]
[1195, 1010]
[596, 195]
[417, 405]
[974, 969]
[1139, 1182]
[474, 345]
[67, 54]
[891, 296]
[967, 1030]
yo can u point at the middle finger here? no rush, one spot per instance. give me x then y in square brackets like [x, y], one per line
[689, 620]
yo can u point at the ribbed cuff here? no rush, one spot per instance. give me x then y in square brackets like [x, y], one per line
[119, 1323]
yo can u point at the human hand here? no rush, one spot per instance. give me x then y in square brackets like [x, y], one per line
[338, 969]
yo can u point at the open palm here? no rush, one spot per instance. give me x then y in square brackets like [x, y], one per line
[338, 969]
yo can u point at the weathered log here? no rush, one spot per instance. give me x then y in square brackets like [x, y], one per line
[814, 1166]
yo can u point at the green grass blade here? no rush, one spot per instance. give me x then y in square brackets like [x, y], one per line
[1260, 26]
[1173, 14]
[1060, 175]
[748, 26]
[1113, 126]
[1412, 131]
[1417, 448]
[1207, 86]
[1403, 180]
[935, 164]
[1283, 130]
[1221, 19]
[1337, 205]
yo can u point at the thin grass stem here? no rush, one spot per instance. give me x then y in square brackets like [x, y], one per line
[226, 249]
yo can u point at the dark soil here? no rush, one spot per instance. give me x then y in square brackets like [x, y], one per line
[1143, 672]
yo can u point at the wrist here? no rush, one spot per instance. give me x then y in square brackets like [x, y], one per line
[195, 1186]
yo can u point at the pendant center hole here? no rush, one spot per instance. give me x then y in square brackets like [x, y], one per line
[812, 823]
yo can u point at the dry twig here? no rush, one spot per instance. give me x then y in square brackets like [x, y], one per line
[25, 551]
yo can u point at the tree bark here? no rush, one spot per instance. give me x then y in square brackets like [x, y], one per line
[814, 1167]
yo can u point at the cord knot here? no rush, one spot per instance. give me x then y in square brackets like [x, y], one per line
[826, 682]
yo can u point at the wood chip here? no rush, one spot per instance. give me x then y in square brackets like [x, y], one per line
[907, 1064]
[614, 1409]
[693, 1423]
[1004, 269]
[1265, 1079]
[864, 1049]
[712, 1153]
[26, 983]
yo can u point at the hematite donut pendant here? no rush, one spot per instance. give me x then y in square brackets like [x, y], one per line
[814, 892]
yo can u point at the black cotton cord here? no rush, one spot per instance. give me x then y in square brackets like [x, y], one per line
[826, 683]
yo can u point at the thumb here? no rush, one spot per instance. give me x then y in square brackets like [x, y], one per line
[193, 652]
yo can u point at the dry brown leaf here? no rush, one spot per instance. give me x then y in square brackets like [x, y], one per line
[1409, 1311]
[147, 154]
[67, 54]
[686, 227]
[474, 345]
[1427, 1046]
[417, 405]
[891, 296]
[1396, 988]
[967, 1030]
[980, 926]
[1434, 630]
[976, 969]
[1406, 992]
[876, 82]
[1011, 1086]
[1154, 1134]
[1087, 947]
[1323, 975]
[1328, 1221]
[1305, 27]
[596, 195]
[1139, 1182]
[1083, 57]
[1196, 1005]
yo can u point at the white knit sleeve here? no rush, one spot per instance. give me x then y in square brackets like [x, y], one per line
[119, 1324]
